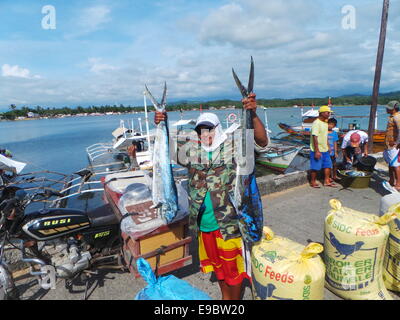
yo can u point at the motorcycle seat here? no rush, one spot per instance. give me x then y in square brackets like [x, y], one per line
[102, 216]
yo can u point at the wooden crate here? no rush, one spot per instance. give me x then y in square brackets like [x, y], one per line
[171, 242]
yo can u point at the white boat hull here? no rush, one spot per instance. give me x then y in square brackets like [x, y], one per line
[278, 160]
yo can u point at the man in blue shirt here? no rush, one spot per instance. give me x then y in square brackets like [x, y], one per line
[333, 139]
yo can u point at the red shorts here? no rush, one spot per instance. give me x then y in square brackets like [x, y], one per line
[225, 258]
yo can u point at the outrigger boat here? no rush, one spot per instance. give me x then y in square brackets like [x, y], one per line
[278, 156]
[58, 186]
[379, 135]
[103, 158]
[8, 166]
[113, 156]
[280, 153]
[303, 131]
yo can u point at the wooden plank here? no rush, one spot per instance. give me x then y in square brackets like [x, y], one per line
[20, 274]
[166, 249]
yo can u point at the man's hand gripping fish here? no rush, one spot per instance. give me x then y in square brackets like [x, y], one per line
[247, 197]
[164, 189]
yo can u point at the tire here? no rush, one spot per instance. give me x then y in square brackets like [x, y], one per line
[8, 290]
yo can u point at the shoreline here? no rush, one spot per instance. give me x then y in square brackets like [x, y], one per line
[59, 116]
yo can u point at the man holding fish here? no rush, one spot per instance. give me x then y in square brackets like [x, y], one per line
[213, 212]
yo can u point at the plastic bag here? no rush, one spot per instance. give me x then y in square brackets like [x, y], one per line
[388, 201]
[145, 219]
[354, 249]
[166, 288]
[391, 262]
[285, 270]
[140, 193]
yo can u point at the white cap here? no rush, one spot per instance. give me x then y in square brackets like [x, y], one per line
[207, 119]
[211, 119]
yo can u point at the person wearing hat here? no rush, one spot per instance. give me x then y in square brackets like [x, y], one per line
[320, 151]
[212, 215]
[392, 143]
[354, 146]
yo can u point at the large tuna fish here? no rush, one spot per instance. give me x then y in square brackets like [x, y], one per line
[247, 196]
[164, 188]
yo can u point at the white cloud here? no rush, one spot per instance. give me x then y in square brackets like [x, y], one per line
[89, 20]
[97, 66]
[93, 18]
[256, 24]
[17, 72]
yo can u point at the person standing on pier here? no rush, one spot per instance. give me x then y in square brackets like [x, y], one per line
[392, 142]
[211, 214]
[333, 139]
[319, 145]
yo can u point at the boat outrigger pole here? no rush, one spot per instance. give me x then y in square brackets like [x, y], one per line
[266, 123]
[147, 120]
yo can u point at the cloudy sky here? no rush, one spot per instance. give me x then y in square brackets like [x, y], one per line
[98, 52]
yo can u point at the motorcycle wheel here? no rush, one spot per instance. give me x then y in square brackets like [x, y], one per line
[8, 290]
[12, 294]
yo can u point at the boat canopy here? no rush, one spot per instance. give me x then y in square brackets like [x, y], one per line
[125, 142]
[119, 132]
[311, 113]
[7, 164]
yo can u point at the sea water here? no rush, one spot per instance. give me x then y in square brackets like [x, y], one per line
[60, 144]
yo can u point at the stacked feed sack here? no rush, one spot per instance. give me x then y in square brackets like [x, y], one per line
[391, 262]
[285, 270]
[354, 250]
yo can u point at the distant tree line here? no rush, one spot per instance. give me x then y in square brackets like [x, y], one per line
[52, 112]
[16, 112]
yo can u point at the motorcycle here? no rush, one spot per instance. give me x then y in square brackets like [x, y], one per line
[56, 243]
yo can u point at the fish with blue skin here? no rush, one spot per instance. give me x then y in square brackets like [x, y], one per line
[354, 173]
[247, 197]
[165, 195]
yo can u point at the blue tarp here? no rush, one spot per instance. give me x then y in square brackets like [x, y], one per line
[166, 288]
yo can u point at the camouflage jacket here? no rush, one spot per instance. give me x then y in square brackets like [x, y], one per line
[218, 177]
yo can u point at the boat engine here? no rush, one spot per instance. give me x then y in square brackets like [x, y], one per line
[66, 256]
